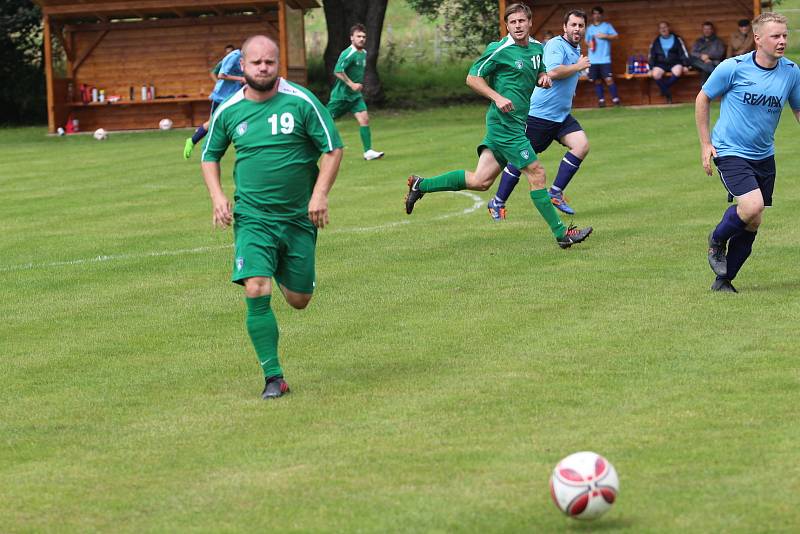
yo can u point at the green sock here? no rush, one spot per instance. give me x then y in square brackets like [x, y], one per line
[548, 212]
[449, 181]
[366, 137]
[263, 330]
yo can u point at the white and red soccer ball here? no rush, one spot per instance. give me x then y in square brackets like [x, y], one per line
[584, 485]
[100, 134]
[165, 124]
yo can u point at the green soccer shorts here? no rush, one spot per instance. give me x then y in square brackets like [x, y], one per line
[340, 107]
[281, 249]
[508, 147]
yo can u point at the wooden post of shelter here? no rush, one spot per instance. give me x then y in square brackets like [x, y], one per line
[48, 71]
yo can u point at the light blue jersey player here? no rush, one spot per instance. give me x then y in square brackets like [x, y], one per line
[754, 88]
[549, 117]
[599, 35]
[230, 79]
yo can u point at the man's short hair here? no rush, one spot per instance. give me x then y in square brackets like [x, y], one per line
[230, 46]
[576, 13]
[247, 42]
[708, 23]
[598, 9]
[743, 23]
[769, 16]
[518, 8]
[358, 28]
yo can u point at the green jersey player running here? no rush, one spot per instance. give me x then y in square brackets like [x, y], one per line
[346, 93]
[506, 74]
[279, 130]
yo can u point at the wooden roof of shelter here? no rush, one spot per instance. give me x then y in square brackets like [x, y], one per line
[106, 10]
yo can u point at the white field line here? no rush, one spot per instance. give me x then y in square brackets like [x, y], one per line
[476, 204]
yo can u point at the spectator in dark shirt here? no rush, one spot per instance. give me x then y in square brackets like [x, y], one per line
[708, 51]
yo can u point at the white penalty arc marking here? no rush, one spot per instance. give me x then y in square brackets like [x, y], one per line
[476, 204]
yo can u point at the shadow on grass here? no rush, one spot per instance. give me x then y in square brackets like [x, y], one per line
[602, 525]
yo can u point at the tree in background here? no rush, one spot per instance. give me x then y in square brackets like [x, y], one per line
[340, 16]
[472, 23]
[23, 97]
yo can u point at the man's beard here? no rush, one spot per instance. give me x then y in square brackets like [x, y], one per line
[261, 87]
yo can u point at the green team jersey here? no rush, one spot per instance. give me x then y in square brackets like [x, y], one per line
[278, 143]
[353, 63]
[511, 70]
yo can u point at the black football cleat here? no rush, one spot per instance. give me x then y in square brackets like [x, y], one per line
[414, 193]
[275, 387]
[574, 235]
[723, 285]
[716, 256]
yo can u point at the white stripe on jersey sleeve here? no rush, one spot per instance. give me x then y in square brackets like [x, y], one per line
[286, 88]
[351, 52]
[509, 42]
[238, 96]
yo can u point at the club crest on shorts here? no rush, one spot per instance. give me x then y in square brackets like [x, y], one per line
[518, 64]
[239, 263]
[242, 128]
[524, 153]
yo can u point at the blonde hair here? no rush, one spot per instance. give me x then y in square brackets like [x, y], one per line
[769, 16]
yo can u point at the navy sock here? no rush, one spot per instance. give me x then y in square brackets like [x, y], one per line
[613, 90]
[669, 82]
[739, 248]
[662, 85]
[598, 88]
[729, 226]
[199, 134]
[508, 182]
[570, 164]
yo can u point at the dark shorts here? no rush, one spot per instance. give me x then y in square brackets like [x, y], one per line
[740, 175]
[664, 66]
[542, 132]
[600, 71]
[214, 106]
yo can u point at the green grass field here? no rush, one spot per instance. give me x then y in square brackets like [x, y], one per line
[444, 367]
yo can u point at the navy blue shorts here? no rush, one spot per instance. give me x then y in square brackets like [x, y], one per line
[599, 71]
[740, 175]
[542, 132]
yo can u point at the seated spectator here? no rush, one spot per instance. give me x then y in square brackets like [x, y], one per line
[667, 54]
[742, 41]
[708, 51]
[547, 36]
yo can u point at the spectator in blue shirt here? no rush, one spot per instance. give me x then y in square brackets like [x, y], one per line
[599, 35]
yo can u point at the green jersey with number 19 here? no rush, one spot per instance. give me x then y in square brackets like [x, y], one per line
[278, 143]
[511, 70]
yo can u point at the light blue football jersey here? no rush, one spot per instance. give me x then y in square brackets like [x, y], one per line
[232, 67]
[602, 50]
[753, 98]
[554, 104]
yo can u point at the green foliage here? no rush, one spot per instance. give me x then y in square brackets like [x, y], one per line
[444, 366]
[22, 93]
[470, 23]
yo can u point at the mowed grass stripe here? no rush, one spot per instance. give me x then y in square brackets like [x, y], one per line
[442, 369]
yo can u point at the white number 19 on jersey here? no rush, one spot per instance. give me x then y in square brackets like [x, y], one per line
[287, 123]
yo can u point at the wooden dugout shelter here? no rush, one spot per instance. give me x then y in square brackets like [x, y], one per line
[120, 46]
[636, 22]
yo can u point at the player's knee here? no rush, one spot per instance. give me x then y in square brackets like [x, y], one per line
[751, 211]
[257, 287]
[298, 301]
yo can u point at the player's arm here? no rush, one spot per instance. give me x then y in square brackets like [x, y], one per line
[318, 204]
[222, 213]
[565, 71]
[607, 36]
[481, 87]
[702, 107]
[224, 76]
[350, 83]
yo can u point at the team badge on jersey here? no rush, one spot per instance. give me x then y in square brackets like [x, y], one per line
[524, 154]
[240, 260]
[518, 64]
[242, 128]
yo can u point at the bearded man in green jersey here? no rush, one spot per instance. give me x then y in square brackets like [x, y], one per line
[280, 131]
[506, 74]
[346, 93]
